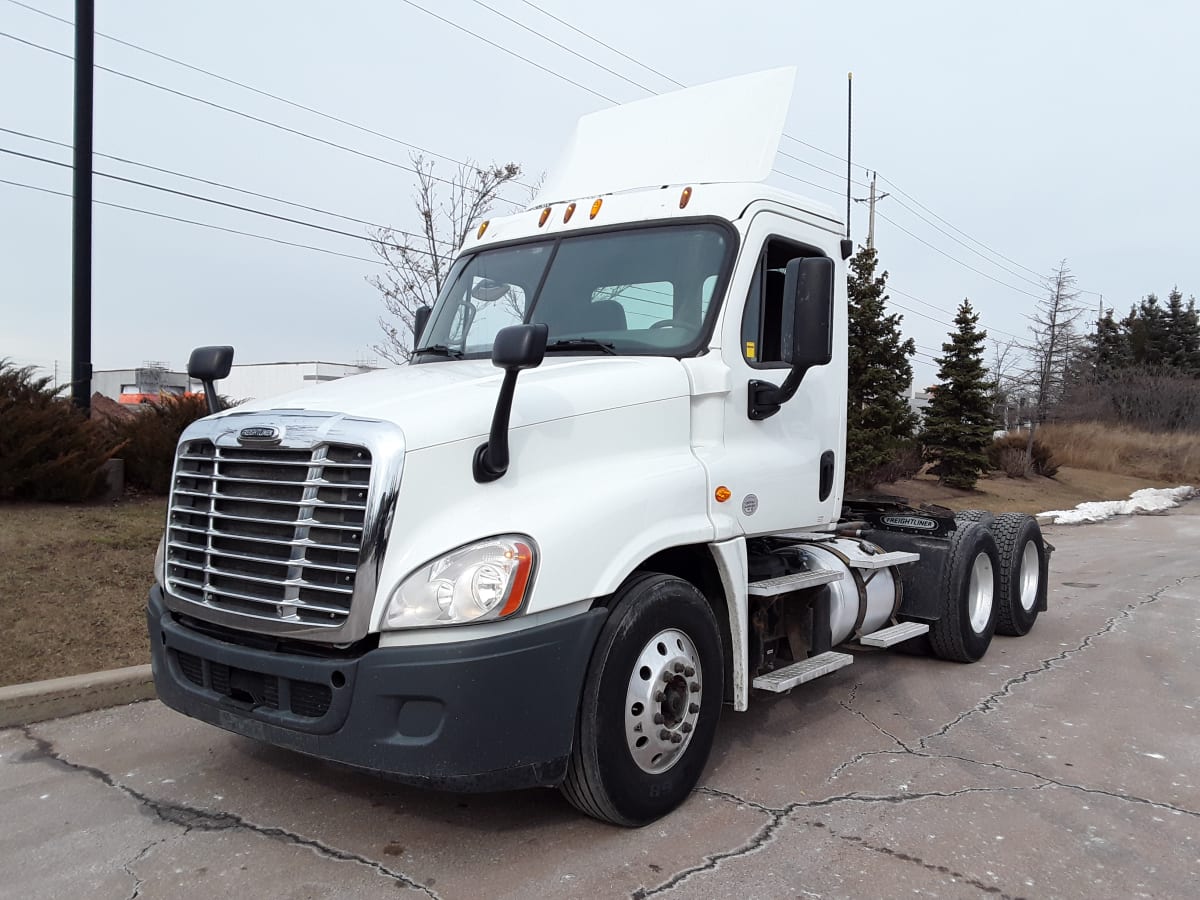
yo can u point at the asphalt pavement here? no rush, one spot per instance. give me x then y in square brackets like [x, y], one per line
[1065, 764]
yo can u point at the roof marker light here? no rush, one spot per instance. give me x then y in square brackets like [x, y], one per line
[595, 208]
[482, 229]
[685, 197]
[545, 216]
[570, 212]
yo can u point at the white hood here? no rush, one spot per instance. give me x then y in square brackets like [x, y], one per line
[435, 403]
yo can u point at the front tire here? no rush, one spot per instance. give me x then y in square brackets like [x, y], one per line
[970, 595]
[650, 704]
[1024, 569]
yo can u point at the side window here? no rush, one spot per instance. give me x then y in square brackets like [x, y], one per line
[762, 319]
[642, 304]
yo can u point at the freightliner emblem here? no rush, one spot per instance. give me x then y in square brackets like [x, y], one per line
[260, 434]
[910, 522]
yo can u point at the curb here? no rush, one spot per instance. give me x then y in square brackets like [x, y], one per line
[37, 701]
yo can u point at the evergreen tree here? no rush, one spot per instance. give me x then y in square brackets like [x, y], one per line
[1147, 327]
[958, 420]
[1110, 348]
[879, 420]
[1182, 345]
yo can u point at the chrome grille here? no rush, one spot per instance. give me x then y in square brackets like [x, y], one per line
[270, 532]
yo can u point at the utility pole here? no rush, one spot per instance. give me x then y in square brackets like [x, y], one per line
[81, 218]
[872, 200]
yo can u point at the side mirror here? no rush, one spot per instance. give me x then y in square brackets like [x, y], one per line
[806, 337]
[420, 320]
[806, 333]
[516, 348]
[209, 365]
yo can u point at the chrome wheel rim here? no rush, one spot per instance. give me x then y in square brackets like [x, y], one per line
[979, 593]
[1031, 575]
[662, 703]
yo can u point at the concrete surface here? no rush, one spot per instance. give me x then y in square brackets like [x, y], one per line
[1065, 764]
[37, 701]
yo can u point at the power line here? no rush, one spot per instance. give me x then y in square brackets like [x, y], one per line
[242, 114]
[234, 206]
[159, 215]
[219, 184]
[293, 103]
[957, 260]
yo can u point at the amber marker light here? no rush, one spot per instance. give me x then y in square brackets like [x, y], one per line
[516, 595]
[545, 216]
[723, 493]
[596, 208]
[482, 229]
[570, 212]
[685, 197]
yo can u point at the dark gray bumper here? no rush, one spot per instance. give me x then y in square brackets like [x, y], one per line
[488, 714]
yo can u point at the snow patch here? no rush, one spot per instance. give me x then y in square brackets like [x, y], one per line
[1147, 500]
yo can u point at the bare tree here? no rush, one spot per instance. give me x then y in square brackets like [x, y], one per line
[1005, 378]
[1052, 346]
[415, 266]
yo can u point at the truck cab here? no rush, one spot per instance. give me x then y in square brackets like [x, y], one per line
[604, 500]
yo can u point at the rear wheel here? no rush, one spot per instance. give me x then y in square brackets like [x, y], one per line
[970, 594]
[650, 703]
[1023, 572]
[974, 515]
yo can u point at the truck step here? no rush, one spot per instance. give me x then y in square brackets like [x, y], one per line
[806, 670]
[889, 637]
[797, 581]
[883, 560]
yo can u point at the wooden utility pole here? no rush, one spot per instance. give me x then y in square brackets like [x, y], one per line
[81, 216]
[871, 200]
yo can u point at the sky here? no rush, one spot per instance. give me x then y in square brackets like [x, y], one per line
[1009, 136]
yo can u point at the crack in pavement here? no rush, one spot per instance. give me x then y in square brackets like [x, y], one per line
[993, 700]
[779, 815]
[190, 817]
[138, 881]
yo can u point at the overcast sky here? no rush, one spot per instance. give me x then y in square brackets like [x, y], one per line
[1043, 130]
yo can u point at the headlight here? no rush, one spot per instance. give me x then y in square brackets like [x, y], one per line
[480, 582]
[160, 562]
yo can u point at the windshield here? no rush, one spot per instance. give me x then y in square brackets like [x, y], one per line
[636, 291]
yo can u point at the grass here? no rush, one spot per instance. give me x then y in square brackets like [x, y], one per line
[73, 583]
[1109, 448]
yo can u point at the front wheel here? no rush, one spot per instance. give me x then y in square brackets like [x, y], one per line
[650, 703]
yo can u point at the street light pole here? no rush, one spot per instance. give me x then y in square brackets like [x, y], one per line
[81, 219]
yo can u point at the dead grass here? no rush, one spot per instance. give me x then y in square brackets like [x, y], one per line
[1034, 494]
[1173, 457]
[73, 584]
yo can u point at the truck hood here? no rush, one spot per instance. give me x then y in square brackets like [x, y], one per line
[435, 403]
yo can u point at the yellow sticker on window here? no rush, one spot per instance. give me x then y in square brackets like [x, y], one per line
[749, 349]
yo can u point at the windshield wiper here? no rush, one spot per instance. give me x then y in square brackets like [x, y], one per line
[440, 350]
[581, 344]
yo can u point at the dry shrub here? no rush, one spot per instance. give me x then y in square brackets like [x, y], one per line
[150, 438]
[1146, 399]
[1159, 456]
[905, 463]
[1012, 463]
[1043, 462]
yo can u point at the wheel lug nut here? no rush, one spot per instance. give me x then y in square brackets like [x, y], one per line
[678, 667]
[685, 727]
[664, 735]
[693, 708]
[667, 677]
[676, 738]
[695, 686]
[658, 718]
[689, 672]
[659, 696]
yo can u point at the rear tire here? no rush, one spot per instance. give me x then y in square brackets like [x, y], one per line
[1024, 569]
[970, 595]
[974, 515]
[651, 700]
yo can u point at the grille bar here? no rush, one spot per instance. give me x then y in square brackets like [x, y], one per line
[272, 532]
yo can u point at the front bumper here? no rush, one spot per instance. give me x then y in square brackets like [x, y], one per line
[487, 714]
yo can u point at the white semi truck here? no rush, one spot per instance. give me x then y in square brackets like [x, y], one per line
[603, 501]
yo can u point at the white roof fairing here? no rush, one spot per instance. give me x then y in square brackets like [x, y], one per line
[723, 131]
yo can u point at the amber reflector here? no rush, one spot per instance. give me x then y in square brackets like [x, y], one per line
[685, 197]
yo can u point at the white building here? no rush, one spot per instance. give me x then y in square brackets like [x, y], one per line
[246, 381]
